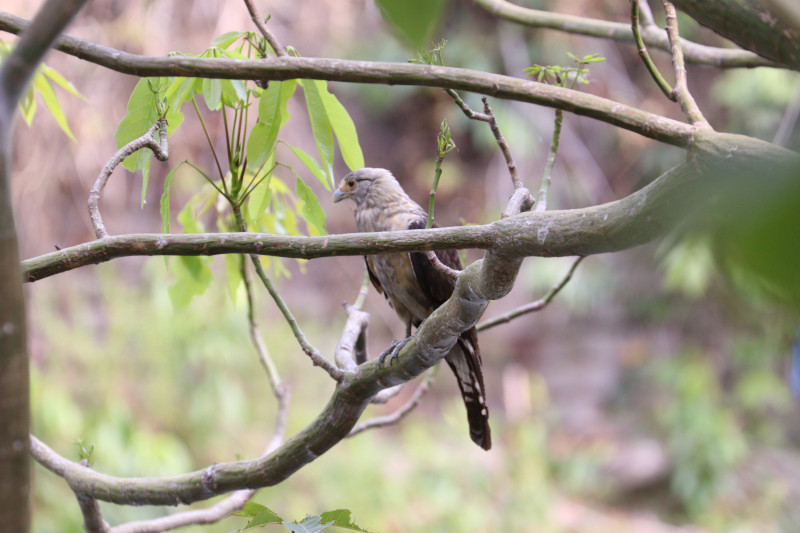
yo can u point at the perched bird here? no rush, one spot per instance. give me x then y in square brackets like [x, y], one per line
[411, 284]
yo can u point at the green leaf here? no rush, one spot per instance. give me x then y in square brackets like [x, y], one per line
[60, 80]
[310, 524]
[165, 199]
[415, 19]
[272, 115]
[141, 114]
[192, 278]
[271, 110]
[233, 92]
[261, 515]
[212, 93]
[345, 131]
[227, 39]
[259, 199]
[233, 273]
[320, 123]
[311, 165]
[27, 106]
[192, 274]
[48, 95]
[311, 210]
[182, 90]
[341, 518]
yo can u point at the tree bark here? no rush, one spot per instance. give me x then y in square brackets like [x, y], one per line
[756, 25]
[16, 73]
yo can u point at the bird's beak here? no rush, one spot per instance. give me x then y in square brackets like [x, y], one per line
[339, 195]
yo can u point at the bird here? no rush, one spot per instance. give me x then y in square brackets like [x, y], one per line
[411, 284]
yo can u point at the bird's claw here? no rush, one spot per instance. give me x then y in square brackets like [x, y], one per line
[387, 357]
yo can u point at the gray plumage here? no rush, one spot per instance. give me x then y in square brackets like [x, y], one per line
[412, 286]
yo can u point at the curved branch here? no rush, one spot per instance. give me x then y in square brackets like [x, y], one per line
[160, 149]
[484, 280]
[647, 124]
[654, 37]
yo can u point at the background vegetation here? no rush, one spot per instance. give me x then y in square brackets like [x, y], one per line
[652, 392]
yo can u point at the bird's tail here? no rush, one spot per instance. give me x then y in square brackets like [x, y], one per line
[465, 362]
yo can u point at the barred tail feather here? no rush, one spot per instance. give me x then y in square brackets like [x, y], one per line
[465, 362]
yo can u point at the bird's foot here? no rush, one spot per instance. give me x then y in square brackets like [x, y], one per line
[387, 357]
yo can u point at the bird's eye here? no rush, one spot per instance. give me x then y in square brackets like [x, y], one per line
[351, 183]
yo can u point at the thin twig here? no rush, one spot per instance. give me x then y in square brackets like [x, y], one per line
[488, 117]
[215, 513]
[648, 62]
[541, 202]
[437, 173]
[681, 92]
[148, 140]
[533, 306]
[441, 267]
[208, 138]
[263, 354]
[279, 50]
[501, 142]
[316, 358]
[393, 418]
[603, 29]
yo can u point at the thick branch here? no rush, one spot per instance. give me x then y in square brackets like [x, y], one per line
[695, 53]
[487, 279]
[755, 25]
[16, 72]
[507, 87]
[636, 219]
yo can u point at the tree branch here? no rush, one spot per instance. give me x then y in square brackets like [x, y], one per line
[538, 305]
[646, 59]
[681, 92]
[654, 37]
[755, 25]
[507, 87]
[148, 140]
[625, 223]
[213, 514]
[16, 71]
[273, 41]
[92, 515]
[403, 411]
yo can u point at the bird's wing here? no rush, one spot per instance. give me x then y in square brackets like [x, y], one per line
[437, 285]
[465, 358]
[372, 277]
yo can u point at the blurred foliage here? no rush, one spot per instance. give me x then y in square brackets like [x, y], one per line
[42, 84]
[703, 436]
[128, 375]
[740, 227]
[414, 19]
[757, 102]
[261, 515]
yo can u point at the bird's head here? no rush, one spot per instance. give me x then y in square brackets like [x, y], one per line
[359, 183]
